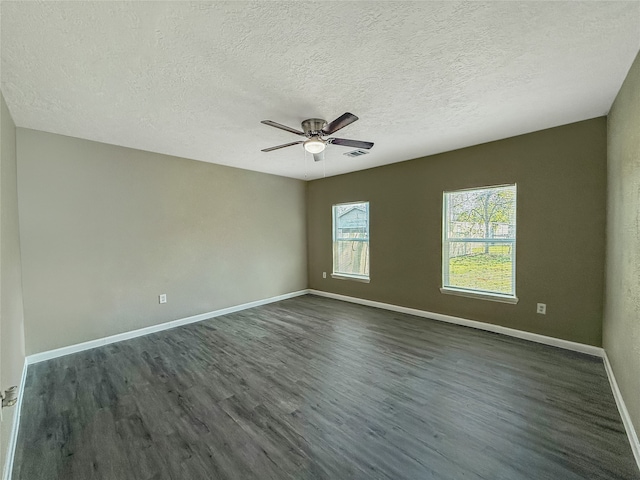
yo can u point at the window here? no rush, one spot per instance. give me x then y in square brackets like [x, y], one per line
[479, 243]
[351, 241]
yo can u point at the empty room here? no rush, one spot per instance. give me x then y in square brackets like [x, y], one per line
[337, 240]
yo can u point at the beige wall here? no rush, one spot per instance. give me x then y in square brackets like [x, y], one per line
[621, 328]
[11, 313]
[107, 229]
[561, 177]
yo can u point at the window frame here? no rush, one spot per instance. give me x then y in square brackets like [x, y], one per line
[342, 275]
[471, 292]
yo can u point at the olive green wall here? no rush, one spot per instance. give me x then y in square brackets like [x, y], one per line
[621, 326]
[11, 313]
[106, 229]
[561, 177]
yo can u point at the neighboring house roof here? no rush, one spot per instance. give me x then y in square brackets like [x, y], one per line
[352, 208]
[353, 218]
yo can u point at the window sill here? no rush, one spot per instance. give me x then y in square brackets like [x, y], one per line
[493, 297]
[355, 278]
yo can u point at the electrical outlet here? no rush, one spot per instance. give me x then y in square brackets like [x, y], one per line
[324, 274]
[163, 298]
[542, 308]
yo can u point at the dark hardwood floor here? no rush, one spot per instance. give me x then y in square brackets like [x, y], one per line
[312, 388]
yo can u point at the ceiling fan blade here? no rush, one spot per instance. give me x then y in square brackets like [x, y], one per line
[271, 123]
[345, 142]
[340, 122]
[318, 157]
[281, 146]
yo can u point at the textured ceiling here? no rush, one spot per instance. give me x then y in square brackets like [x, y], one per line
[195, 79]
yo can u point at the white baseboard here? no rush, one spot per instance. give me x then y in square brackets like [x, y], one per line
[13, 439]
[99, 342]
[622, 408]
[534, 337]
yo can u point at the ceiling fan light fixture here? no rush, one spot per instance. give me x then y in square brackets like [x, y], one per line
[314, 145]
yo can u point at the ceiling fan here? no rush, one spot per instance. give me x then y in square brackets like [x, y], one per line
[315, 129]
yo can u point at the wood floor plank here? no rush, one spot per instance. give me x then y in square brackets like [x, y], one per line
[314, 388]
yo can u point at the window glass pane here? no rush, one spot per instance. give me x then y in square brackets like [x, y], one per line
[481, 266]
[479, 239]
[482, 213]
[352, 258]
[351, 239]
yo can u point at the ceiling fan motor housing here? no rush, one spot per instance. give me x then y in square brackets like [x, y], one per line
[312, 127]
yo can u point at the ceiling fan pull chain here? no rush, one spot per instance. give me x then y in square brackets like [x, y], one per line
[324, 166]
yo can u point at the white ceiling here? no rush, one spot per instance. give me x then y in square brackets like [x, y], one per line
[195, 79]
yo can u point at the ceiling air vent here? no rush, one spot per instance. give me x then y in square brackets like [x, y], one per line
[356, 153]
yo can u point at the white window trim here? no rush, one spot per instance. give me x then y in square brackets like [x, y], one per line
[479, 294]
[356, 278]
[494, 297]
